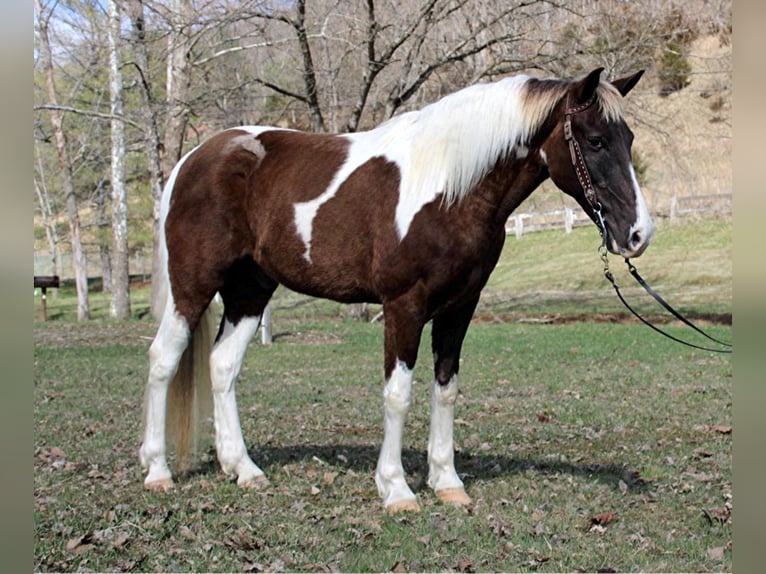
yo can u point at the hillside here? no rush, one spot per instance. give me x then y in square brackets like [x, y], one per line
[683, 140]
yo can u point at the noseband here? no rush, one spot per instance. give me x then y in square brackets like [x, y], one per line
[583, 176]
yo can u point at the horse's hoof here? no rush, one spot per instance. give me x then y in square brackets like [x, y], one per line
[256, 482]
[409, 505]
[454, 496]
[161, 485]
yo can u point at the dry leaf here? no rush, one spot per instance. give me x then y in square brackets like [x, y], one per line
[601, 520]
[329, 478]
[81, 544]
[716, 553]
[464, 565]
[53, 456]
[399, 567]
[122, 539]
[425, 540]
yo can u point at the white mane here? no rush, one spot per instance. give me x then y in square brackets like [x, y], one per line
[461, 136]
[448, 146]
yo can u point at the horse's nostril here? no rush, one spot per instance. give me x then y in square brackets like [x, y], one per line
[635, 238]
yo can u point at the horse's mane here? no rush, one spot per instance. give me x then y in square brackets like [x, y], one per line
[455, 141]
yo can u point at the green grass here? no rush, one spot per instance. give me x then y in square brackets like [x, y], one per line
[556, 425]
[551, 418]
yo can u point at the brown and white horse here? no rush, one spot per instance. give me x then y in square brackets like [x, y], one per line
[410, 214]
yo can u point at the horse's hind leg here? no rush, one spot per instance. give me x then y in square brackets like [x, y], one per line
[225, 364]
[245, 294]
[164, 356]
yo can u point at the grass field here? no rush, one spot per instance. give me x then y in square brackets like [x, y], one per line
[586, 446]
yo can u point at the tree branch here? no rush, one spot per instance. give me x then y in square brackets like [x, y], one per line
[70, 109]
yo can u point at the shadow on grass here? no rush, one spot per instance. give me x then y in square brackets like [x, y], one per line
[471, 467]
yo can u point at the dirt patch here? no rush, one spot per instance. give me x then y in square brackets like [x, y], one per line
[700, 319]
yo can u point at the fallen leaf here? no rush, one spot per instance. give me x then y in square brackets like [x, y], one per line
[81, 544]
[329, 478]
[122, 539]
[721, 514]
[253, 567]
[53, 456]
[399, 567]
[464, 565]
[543, 417]
[601, 520]
[716, 553]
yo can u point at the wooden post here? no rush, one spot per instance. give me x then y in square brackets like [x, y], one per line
[42, 282]
[266, 326]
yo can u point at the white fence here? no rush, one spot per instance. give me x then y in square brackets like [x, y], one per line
[567, 218]
[691, 204]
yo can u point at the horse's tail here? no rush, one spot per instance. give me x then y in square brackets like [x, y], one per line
[190, 396]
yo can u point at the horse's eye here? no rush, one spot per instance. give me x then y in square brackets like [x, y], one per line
[596, 142]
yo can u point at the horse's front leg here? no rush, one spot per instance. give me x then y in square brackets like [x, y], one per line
[402, 337]
[447, 339]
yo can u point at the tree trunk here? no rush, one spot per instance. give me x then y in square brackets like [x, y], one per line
[48, 218]
[148, 113]
[102, 237]
[78, 256]
[178, 81]
[120, 301]
[309, 74]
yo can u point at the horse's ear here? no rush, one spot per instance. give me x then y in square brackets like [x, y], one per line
[585, 88]
[624, 85]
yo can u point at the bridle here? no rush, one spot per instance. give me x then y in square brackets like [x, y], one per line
[583, 176]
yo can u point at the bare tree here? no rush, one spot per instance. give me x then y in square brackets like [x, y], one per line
[57, 121]
[120, 301]
[178, 81]
[148, 114]
[47, 212]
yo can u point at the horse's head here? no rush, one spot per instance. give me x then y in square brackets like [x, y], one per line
[589, 157]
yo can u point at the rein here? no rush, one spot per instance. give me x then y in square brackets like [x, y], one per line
[583, 176]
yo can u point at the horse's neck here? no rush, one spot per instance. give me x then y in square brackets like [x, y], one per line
[509, 183]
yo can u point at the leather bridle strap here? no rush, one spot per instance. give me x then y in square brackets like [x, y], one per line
[578, 161]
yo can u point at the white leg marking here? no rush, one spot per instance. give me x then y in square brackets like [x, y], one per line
[389, 476]
[164, 356]
[441, 464]
[225, 363]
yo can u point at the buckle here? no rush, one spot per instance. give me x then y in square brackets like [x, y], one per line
[567, 129]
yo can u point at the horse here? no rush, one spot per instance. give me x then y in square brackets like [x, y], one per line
[410, 215]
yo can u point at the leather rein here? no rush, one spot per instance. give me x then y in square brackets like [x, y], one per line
[583, 176]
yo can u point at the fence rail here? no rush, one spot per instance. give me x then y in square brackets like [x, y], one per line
[690, 204]
[567, 218]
